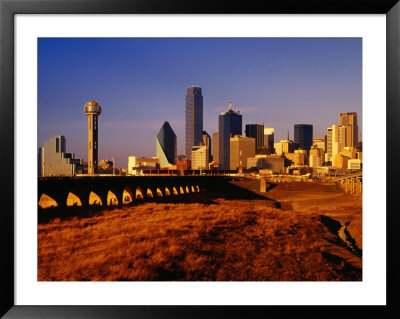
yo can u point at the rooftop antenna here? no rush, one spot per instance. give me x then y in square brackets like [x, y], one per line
[288, 135]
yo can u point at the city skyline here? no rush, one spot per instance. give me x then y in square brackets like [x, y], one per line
[278, 82]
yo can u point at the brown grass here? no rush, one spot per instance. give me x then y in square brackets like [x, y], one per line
[227, 240]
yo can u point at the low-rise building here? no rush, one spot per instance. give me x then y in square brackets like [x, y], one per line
[354, 164]
[55, 161]
[272, 163]
[105, 167]
[340, 161]
[183, 164]
[298, 158]
[136, 165]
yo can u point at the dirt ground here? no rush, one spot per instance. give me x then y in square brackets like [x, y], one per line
[325, 199]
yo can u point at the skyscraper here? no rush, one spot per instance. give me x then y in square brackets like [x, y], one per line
[303, 135]
[166, 146]
[240, 149]
[335, 142]
[207, 142]
[194, 118]
[350, 121]
[230, 124]
[269, 133]
[256, 131]
[329, 144]
[215, 147]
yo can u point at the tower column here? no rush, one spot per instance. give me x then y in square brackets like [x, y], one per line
[92, 109]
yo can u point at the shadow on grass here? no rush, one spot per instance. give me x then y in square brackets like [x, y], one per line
[334, 226]
[349, 271]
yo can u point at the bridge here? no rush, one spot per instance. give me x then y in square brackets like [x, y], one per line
[119, 190]
[351, 183]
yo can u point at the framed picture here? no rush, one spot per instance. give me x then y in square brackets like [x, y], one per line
[29, 29]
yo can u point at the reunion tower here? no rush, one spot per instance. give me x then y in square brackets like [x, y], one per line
[92, 109]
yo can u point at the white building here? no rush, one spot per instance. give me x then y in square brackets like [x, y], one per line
[136, 165]
[200, 157]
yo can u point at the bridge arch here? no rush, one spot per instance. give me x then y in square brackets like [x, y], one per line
[46, 201]
[139, 193]
[167, 192]
[159, 192]
[112, 199]
[181, 191]
[127, 196]
[192, 188]
[149, 193]
[95, 199]
[174, 191]
[73, 200]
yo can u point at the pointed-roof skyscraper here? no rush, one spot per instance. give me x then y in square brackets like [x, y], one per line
[166, 146]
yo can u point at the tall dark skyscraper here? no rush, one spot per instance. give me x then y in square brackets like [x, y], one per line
[257, 131]
[194, 118]
[230, 124]
[166, 145]
[303, 135]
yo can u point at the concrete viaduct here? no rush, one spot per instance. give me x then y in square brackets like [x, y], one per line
[350, 183]
[118, 190]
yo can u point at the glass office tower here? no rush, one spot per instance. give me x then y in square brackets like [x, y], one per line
[303, 135]
[166, 148]
[256, 131]
[230, 124]
[194, 118]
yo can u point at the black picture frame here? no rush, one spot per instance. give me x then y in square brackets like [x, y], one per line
[8, 8]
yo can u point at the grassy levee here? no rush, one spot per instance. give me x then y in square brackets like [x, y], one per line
[232, 233]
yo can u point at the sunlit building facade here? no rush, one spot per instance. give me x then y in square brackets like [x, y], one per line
[207, 142]
[349, 120]
[240, 149]
[269, 134]
[136, 165]
[215, 147]
[200, 158]
[55, 161]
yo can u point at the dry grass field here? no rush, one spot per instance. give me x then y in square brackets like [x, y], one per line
[292, 233]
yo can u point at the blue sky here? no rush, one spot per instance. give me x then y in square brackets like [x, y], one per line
[141, 82]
